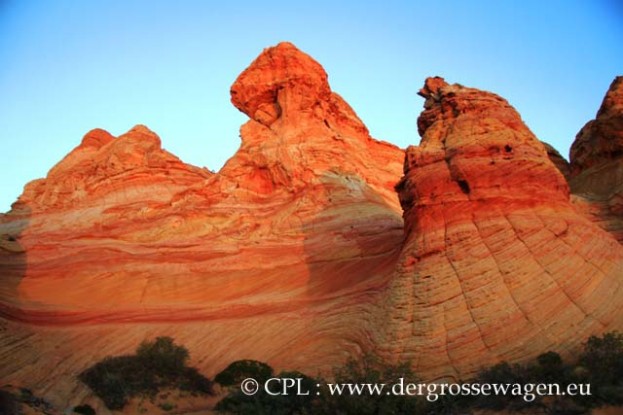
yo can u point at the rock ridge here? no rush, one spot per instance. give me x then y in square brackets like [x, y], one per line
[315, 242]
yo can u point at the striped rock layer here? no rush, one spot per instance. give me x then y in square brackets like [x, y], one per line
[299, 251]
[497, 263]
[597, 163]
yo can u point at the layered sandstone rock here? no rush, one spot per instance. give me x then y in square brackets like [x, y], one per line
[296, 252]
[70, 232]
[601, 139]
[497, 264]
[597, 163]
[123, 216]
[275, 257]
[104, 172]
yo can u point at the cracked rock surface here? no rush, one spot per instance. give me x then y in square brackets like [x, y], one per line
[307, 247]
[497, 263]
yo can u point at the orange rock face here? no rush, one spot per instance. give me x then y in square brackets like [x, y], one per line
[274, 257]
[597, 163]
[601, 139]
[296, 251]
[123, 216]
[103, 172]
[497, 264]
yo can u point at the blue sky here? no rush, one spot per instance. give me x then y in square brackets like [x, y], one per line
[69, 66]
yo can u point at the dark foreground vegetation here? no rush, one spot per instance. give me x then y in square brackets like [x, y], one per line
[162, 364]
[157, 365]
[14, 400]
[600, 365]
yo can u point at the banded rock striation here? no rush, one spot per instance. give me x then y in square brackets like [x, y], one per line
[124, 230]
[497, 264]
[274, 258]
[596, 158]
[296, 253]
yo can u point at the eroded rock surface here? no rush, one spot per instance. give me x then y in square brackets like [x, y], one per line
[276, 257]
[497, 264]
[296, 252]
[597, 163]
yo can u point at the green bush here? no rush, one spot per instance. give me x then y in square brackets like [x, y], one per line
[299, 404]
[601, 365]
[239, 370]
[237, 402]
[501, 373]
[162, 357]
[156, 365]
[262, 403]
[550, 369]
[367, 370]
[370, 370]
[193, 381]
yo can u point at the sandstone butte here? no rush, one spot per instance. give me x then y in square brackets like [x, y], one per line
[308, 247]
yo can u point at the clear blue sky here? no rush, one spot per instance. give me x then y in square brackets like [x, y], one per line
[69, 66]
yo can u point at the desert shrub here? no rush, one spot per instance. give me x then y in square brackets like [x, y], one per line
[548, 368]
[84, 410]
[294, 403]
[193, 381]
[320, 400]
[237, 402]
[239, 370]
[502, 373]
[156, 365]
[370, 370]
[107, 381]
[162, 357]
[601, 365]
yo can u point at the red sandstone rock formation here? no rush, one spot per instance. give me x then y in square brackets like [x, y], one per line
[123, 216]
[295, 252]
[275, 257]
[597, 163]
[497, 264]
[103, 172]
[601, 139]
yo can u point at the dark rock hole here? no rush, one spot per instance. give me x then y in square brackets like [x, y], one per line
[464, 186]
